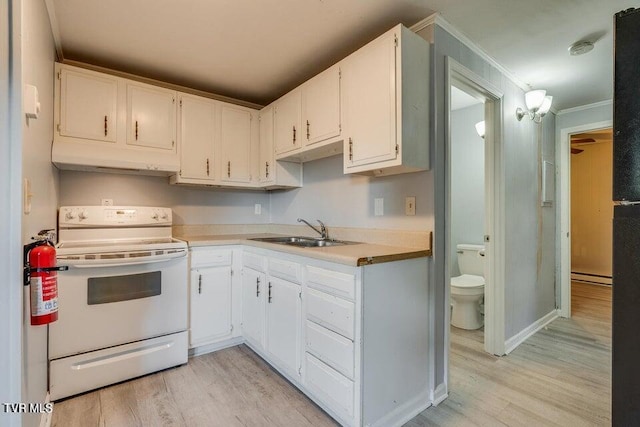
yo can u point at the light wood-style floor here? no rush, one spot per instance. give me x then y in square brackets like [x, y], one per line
[560, 376]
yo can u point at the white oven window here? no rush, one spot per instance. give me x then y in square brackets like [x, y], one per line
[103, 290]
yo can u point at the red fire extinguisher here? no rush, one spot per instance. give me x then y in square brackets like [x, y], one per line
[41, 275]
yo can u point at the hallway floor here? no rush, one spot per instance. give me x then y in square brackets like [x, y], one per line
[560, 376]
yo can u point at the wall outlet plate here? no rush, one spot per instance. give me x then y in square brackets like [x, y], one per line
[107, 202]
[257, 209]
[410, 205]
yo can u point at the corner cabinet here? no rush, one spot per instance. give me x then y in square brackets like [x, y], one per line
[385, 99]
[272, 173]
[107, 122]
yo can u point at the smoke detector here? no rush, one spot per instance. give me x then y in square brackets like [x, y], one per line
[581, 47]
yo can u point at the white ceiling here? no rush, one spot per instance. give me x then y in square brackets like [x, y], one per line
[257, 50]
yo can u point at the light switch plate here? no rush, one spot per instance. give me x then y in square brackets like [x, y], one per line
[410, 205]
[378, 207]
[257, 209]
[26, 196]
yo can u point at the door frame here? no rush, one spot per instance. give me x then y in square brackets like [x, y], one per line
[494, 327]
[11, 289]
[563, 236]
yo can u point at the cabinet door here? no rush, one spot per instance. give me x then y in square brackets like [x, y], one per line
[88, 105]
[321, 106]
[286, 122]
[253, 292]
[283, 323]
[197, 132]
[210, 305]
[369, 101]
[151, 117]
[235, 144]
[266, 163]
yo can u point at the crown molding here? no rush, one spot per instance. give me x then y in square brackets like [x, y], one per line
[585, 107]
[437, 19]
[55, 29]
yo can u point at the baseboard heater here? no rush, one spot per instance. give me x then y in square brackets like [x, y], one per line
[591, 278]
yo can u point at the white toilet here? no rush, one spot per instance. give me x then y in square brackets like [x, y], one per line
[467, 290]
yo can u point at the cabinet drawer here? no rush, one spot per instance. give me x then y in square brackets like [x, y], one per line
[200, 258]
[331, 312]
[333, 282]
[254, 261]
[286, 270]
[330, 386]
[333, 349]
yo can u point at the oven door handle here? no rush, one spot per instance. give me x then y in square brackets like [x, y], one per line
[130, 261]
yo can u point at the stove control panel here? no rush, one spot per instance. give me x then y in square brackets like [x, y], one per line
[113, 216]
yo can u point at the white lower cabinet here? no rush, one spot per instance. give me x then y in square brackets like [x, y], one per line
[214, 303]
[283, 324]
[253, 292]
[353, 339]
[210, 305]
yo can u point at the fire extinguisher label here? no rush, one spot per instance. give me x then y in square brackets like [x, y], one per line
[44, 299]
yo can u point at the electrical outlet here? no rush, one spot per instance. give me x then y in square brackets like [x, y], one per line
[378, 207]
[107, 202]
[410, 205]
[257, 209]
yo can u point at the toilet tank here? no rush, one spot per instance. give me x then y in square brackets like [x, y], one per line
[470, 260]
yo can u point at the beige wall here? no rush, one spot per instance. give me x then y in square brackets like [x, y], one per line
[592, 209]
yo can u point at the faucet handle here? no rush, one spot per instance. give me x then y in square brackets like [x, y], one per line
[323, 228]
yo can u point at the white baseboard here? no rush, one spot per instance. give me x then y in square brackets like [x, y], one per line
[405, 412]
[45, 419]
[578, 277]
[522, 336]
[440, 394]
[210, 348]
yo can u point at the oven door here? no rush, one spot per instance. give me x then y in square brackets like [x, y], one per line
[104, 306]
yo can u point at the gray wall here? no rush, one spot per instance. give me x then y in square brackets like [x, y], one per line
[467, 181]
[348, 200]
[530, 266]
[589, 114]
[38, 55]
[190, 205]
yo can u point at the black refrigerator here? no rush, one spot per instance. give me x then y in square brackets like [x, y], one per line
[626, 221]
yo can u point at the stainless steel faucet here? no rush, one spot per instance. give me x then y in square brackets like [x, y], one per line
[324, 234]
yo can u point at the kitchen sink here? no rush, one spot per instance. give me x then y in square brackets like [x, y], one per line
[304, 242]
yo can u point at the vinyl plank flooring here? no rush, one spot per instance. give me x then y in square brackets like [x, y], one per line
[560, 376]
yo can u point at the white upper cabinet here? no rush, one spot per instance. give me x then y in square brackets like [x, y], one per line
[197, 130]
[287, 122]
[385, 97]
[108, 122]
[88, 105]
[266, 160]
[151, 117]
[321, 106]
[235, 143]
[271, 173]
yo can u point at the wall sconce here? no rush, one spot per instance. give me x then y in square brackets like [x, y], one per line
[480, 129]
[538, 104]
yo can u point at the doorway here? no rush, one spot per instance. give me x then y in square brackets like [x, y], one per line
[584, 188]
[484, 101]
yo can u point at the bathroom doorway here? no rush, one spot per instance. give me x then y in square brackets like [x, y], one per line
[475, 203]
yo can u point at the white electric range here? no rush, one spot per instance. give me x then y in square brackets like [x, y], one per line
[123, 302]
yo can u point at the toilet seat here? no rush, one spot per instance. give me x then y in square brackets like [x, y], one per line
[467, 284]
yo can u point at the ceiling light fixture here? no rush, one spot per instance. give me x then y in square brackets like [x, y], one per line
[538, 104]
[480, 129]
[581, 47]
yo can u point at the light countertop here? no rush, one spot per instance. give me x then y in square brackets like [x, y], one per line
[353, 254]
